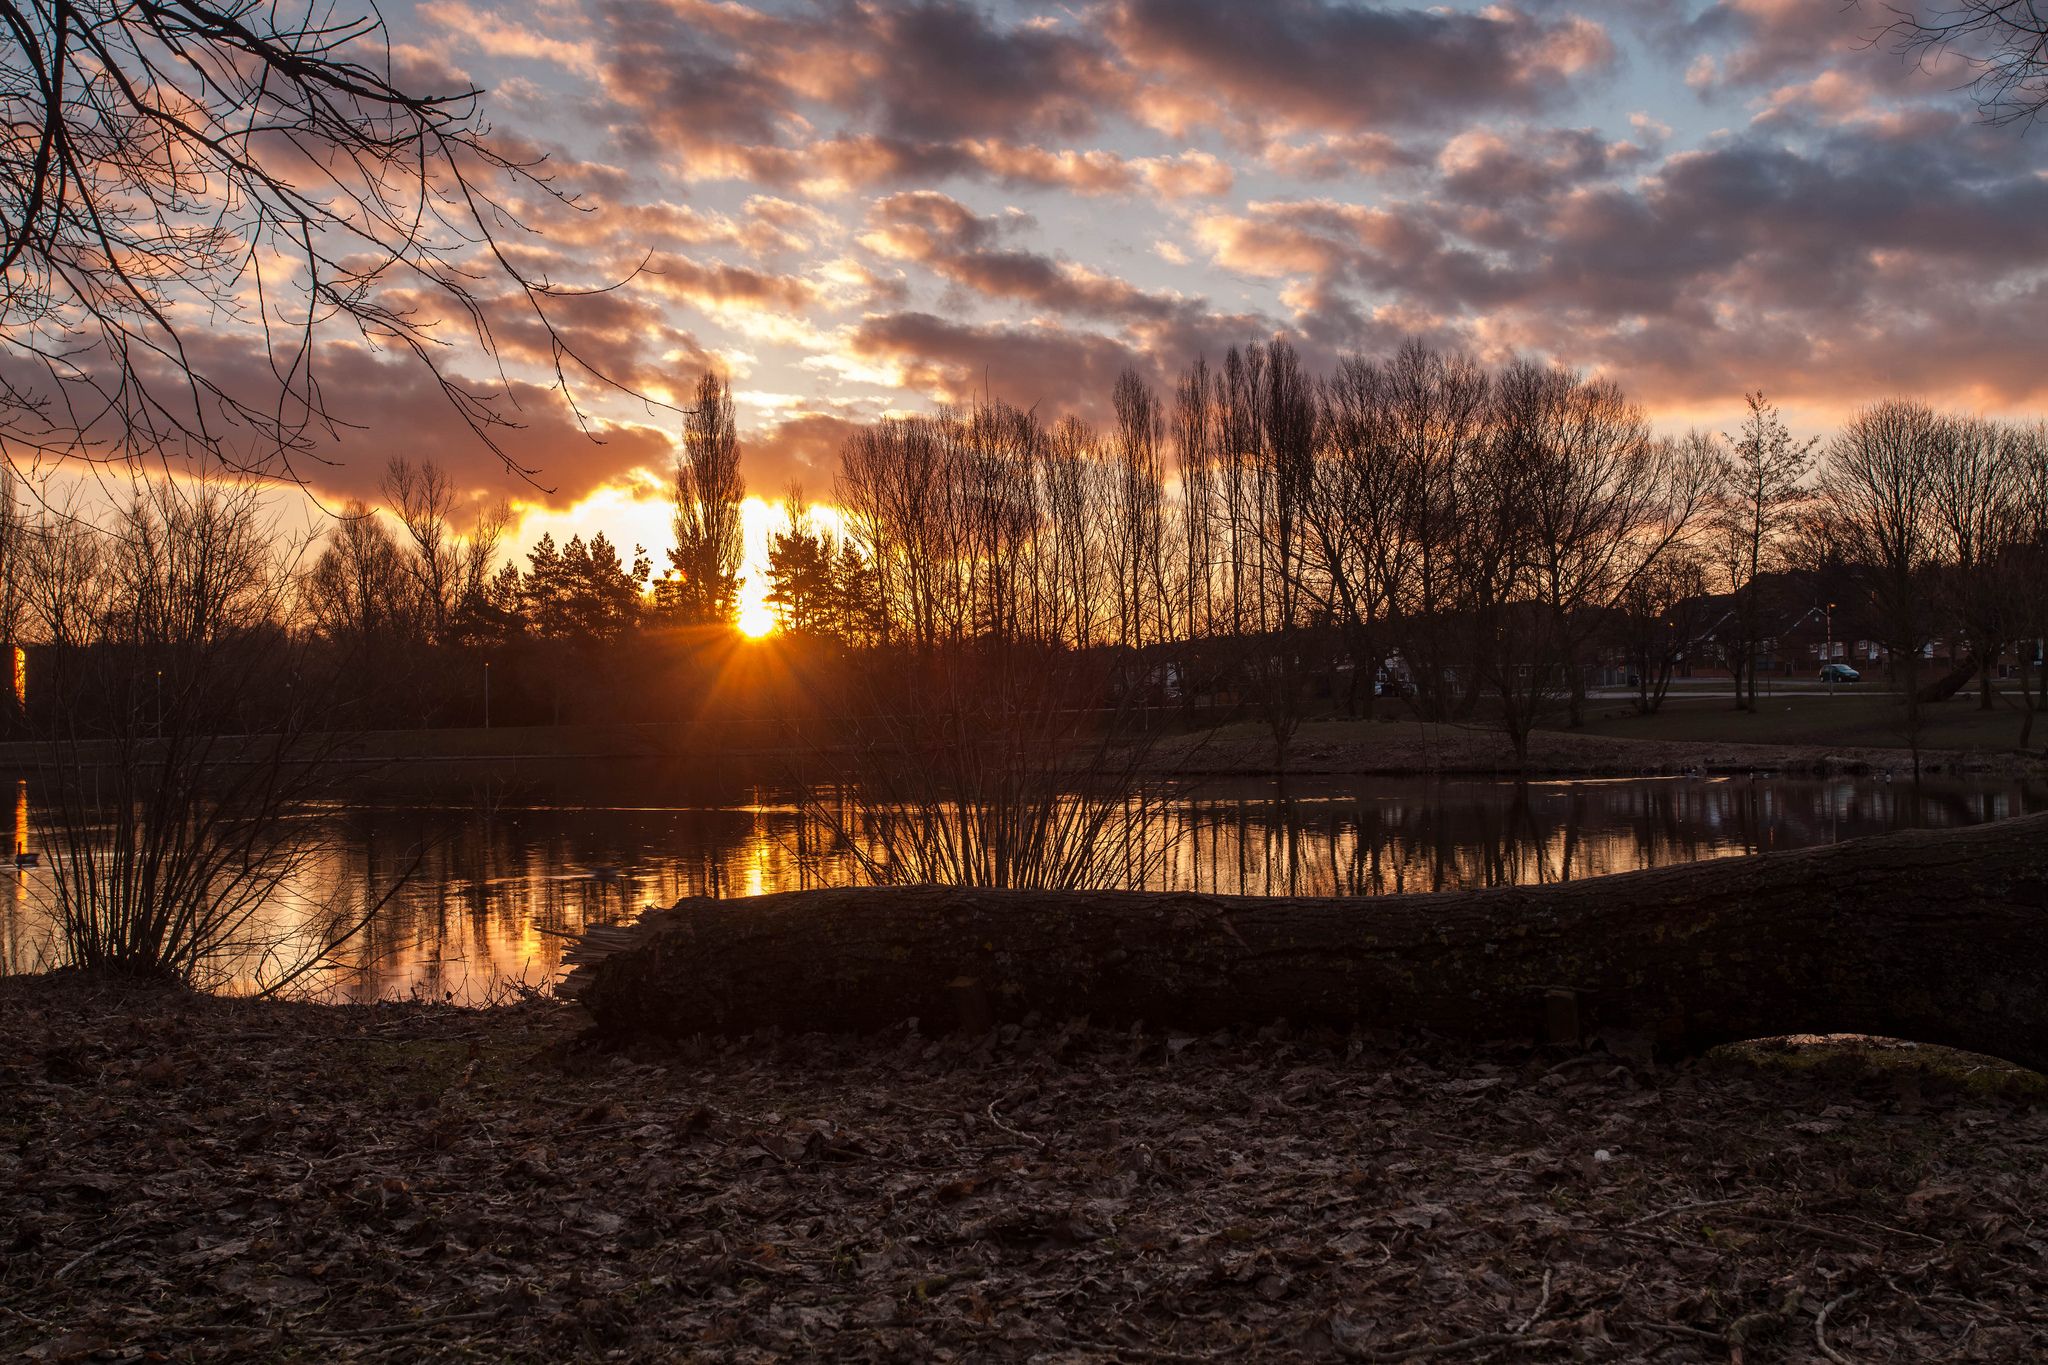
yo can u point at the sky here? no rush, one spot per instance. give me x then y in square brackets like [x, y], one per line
[854, 209]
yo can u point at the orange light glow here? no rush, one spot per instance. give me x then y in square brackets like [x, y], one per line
[756, 620]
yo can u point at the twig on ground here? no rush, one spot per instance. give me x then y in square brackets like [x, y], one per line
[1820, 1327]
[1883, 1227]
[1541, 1304]
[1039, 1143]
[82, 1257]
[1718, 1338]
[1815, 1229]
[417, 1324]
[1444, 1348]
[1682, 1208]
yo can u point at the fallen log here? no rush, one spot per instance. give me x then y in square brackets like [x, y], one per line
[1936, 936]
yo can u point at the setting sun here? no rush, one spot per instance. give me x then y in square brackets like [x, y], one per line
[756, 620]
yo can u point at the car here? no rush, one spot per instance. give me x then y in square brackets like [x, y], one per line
[1838, 673]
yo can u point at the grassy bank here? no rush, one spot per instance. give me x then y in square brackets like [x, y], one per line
[1609, 745]
[1811, 717]
[200, 1179]
[1805, 728]
[546, 742]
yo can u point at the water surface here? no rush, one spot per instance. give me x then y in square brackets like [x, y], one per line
[499, 883]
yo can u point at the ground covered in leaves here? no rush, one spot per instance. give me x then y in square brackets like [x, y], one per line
[197, 1179]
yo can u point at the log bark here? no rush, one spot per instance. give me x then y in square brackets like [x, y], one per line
[1940, 937]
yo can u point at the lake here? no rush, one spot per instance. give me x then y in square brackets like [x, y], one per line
[499, 881]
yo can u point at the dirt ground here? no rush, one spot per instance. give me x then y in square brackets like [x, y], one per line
[201, 1179]
[1409, 747]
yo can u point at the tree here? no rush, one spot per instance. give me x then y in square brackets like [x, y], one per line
[1758, 498]
[708, 492]
[1974, 488]
[420, 497]
[358, 591]
[64, 569]
[157, 159]
[2026, 569]
[1139, 516]
[1438, 410]
[1354, 516]
[1601, 502]
[801, 563]
[1657, 624]
[583, 594]
[1875, 520]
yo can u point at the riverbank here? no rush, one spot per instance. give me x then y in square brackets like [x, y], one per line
[1410, 748]
[204, 1179]
[1801, 730]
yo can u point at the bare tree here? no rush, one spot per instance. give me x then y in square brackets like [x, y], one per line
[1354, 515]
[359, 591]
[1265, 422]
[2025, 568]
[707, 494]
[180, 752]
[64, 574]
[981, 755]
[197, 566]
[476, 558]
[1758, 499]
[1972, 489]
[1658, 622]
[1877, 521]
[422, 497]
[1140, 513]
[1603, 502]
[157, 159]
[1438, 427]
[15, 566]
[2003, 42]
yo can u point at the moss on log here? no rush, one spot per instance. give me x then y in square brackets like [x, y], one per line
[1938, 936]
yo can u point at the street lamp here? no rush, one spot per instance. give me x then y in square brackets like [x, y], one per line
[1828, 661]
[487, 694]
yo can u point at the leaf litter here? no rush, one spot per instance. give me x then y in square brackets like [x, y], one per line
[192, 1178]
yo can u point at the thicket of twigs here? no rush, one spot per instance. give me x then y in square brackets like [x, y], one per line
[176, 768]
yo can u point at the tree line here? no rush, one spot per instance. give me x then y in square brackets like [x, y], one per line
[1262, 539]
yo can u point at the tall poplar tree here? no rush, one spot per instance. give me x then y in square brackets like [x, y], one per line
[708, 492]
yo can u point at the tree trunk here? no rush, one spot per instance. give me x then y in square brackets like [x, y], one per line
[1941, 937]
[1941, 689]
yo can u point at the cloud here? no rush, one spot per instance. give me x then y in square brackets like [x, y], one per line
[1336, 155]
[1484, 165]
[1040, 364]
[384, 405]
[1745, 261]
[946, 237]
[928, 91]
[1305, 65]
[487, 31]
[801, 448]
[716, 286]
[1742, 45]
[703, 75]
[1029, 364]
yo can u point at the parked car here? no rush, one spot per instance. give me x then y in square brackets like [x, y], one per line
[1838, 673]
